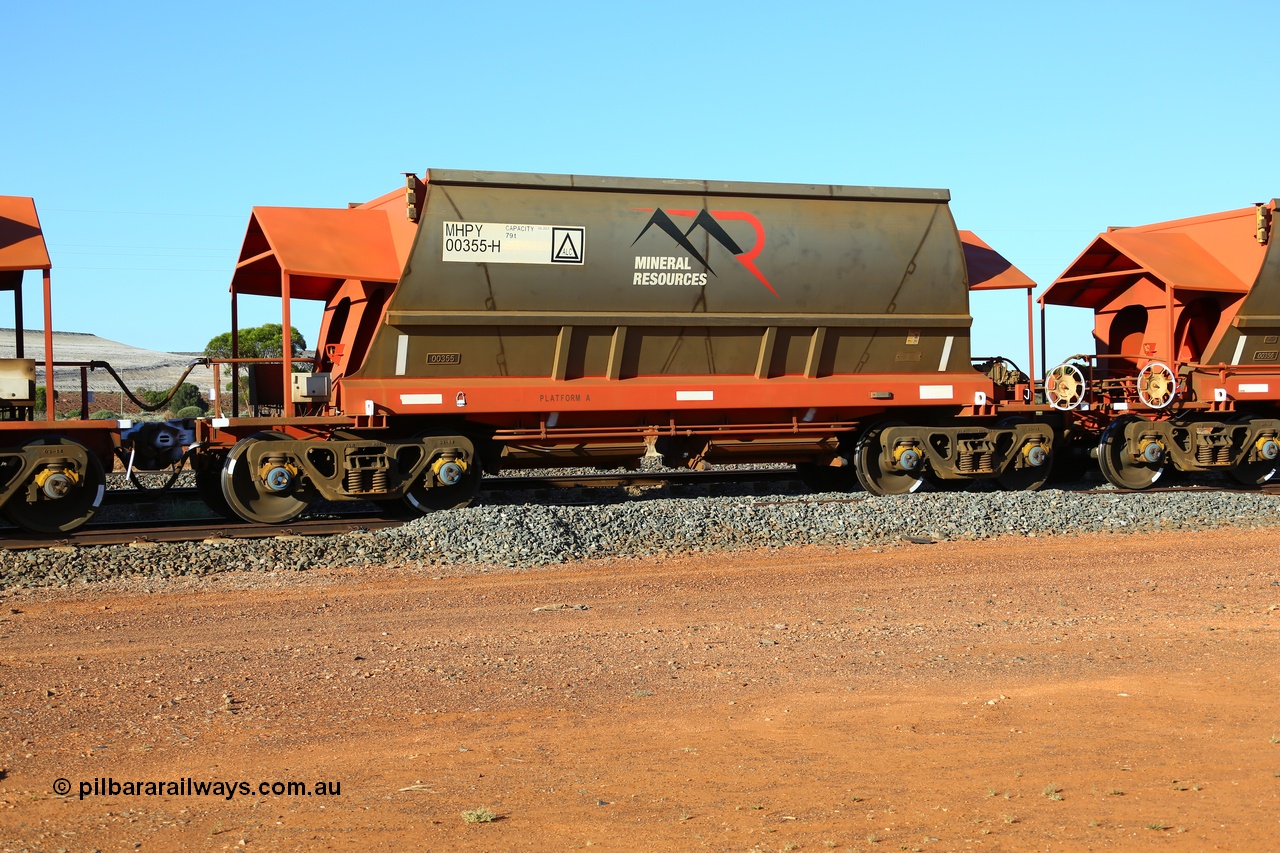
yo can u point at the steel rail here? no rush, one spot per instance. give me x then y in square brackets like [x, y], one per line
[521, 482]
[196, 530]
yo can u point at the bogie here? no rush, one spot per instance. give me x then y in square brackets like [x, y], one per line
[55, 485]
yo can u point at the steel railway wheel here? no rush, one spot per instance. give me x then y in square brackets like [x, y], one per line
[450, 481]
[1119, 467]
[1028, 478]
[827, 478]
[209, 487]
[62, 493]
[1253, 474]
[270, 497]
[1263, 468]
[397, 509]
[875, 472]
[422, 498]
[938, 484]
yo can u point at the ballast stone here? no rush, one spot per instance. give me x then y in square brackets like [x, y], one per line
[524, 536]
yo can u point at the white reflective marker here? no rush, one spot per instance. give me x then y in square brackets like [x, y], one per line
[402, 354]
[946, 353]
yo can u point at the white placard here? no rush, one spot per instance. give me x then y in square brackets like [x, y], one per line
[421, 399]
[504, 243]
[937, 392]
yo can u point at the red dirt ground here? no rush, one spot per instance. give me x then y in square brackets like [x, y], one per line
[1055, 694]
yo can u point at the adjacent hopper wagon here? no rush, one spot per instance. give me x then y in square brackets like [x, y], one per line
[1185, 372]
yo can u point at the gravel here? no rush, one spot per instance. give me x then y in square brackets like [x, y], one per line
[519, 536]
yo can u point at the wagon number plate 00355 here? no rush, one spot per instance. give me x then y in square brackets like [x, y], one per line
[504, 243]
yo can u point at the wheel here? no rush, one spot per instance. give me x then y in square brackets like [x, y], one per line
[249, 496]
[1253, 474]
[1028, 478]
[424, 499]
[209, 487]
[1118, 467]
[876, 476]
[1157, 385]
[1261, 470]
[826, 478]
[62, 493]
[396, 509]
[1064, 387]
[429, 492]
[937, 484]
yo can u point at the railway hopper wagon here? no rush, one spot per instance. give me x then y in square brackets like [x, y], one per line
[52, 475]
[53, 472]
[479, 321]
[1186, 368]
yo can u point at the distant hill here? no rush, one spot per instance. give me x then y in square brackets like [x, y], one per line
[139, 368]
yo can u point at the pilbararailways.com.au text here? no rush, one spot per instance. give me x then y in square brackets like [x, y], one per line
[189, 787]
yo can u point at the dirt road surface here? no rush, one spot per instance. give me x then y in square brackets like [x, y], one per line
[1022, 694]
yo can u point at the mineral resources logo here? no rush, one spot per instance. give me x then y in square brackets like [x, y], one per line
[681, 270]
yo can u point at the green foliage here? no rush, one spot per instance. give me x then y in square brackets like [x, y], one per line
[188, 397]
[189, 412]
[151, 398]
[257, 342]
[102, 415]
[40, 395]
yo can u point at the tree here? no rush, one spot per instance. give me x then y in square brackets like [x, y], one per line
[257, 342]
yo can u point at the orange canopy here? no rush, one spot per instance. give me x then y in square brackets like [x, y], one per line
[21, 240]
[1214, 253]
[988, 269]
[319, 248]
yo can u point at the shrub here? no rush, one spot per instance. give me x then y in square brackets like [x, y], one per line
[187, 397]
[150, 397]
[102, 415]
[40, 397]
[189, 412]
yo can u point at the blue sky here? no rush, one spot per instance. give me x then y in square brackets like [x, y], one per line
[147, 131]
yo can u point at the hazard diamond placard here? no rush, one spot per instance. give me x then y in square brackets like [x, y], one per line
[566, 245]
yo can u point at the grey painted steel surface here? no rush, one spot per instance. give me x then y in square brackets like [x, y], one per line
[700, 277]
[1259, 315]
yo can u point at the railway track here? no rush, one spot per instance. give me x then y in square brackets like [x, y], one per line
[142, 532]
[198, 530]
[529, 482]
